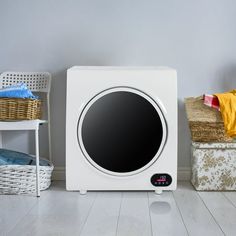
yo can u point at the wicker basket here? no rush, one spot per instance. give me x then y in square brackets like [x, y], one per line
[20, 109]
[205, 123]
[21, 179]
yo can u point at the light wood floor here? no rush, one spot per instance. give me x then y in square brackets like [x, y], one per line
[57, 212]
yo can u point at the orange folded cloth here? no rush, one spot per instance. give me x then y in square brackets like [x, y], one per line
[228, 111]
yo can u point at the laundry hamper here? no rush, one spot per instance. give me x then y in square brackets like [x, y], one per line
[21, 179]
[214, 166]
[205, 123]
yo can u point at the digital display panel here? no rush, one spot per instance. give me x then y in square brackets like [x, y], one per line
[161, 180]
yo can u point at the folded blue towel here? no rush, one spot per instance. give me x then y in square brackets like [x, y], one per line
[17, 91]
[9, 157]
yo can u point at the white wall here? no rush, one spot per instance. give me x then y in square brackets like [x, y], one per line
[198, 38]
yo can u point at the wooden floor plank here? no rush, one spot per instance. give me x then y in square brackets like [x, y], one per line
[12, 209]
[57, 212]
[165, 216]
[196, 216]
[103, 216]
[231, 196]
[222, 209]
[134, 219]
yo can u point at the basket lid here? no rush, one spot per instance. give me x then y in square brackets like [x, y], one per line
[198, 112]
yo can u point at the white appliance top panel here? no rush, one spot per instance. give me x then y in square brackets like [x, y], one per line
[122, 68]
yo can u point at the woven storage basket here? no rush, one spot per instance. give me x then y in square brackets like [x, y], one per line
[205, 123]
[21, 179]
[20, 109]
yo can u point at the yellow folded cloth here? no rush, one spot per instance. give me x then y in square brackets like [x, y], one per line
[227, 103]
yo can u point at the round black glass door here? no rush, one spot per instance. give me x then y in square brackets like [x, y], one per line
[121, 131]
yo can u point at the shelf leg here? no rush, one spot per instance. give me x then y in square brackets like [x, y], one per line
[37, 162]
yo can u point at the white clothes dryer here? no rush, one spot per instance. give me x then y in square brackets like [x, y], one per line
[121, 128]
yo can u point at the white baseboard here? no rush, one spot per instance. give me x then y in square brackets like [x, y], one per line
[59, 173]
[184, 173]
